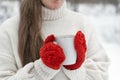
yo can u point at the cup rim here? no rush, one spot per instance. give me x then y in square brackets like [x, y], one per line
[64, 36]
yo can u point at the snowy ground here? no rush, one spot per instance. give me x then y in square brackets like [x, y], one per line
[106, 22]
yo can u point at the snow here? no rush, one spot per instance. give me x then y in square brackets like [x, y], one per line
[105, 20]
[8, 9]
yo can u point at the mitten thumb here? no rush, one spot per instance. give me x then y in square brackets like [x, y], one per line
[50, 38]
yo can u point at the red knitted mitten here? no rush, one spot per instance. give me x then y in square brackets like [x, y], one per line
[52, 54]
[80, 47]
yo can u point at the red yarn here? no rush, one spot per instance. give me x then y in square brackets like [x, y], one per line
[50, 38]
[80, 47]
[52, 54]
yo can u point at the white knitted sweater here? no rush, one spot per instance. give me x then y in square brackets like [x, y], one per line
[58, 22]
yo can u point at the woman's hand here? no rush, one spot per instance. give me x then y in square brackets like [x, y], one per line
[52, 54]
[80, 47]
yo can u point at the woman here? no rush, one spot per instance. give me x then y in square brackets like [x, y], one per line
[28, 51]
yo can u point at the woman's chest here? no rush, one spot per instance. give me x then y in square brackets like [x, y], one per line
[60, 28]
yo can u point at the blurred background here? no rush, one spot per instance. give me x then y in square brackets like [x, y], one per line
[104, 16]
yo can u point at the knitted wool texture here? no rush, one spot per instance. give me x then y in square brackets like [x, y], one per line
[52, 54]
[80, 47]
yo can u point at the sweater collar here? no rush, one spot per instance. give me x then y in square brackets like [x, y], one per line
[49, 14]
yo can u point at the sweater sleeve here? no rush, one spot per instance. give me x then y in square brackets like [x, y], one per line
[8, 64]
[95, 66]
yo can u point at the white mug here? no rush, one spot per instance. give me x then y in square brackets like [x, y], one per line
[67, 44]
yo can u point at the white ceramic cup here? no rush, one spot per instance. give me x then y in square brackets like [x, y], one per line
[67, 44]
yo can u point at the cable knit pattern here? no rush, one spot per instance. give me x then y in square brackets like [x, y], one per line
[59, 22]
[44, 72]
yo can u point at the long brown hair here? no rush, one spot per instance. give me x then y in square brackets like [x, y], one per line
[29, 34]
